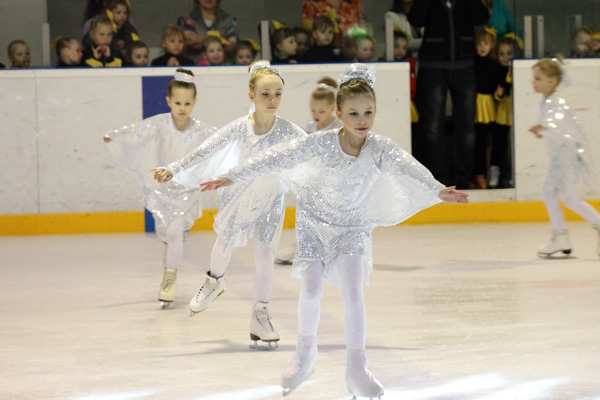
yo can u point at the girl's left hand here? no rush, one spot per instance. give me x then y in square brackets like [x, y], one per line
[216, 184]
[536, 129]
[451, 195]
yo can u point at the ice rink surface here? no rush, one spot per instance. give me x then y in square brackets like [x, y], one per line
[454, 312]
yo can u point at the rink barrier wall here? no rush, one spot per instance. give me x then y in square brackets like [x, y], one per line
[63, 179]
[131, 222]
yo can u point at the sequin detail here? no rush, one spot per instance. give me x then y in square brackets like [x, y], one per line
[567, 144]
[252, 210]
[340, 198]
[153, 142]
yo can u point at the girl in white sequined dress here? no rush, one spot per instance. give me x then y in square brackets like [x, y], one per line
[251, 211]
[569, 163]
[322, 110]
[347, 181]
[155, 140]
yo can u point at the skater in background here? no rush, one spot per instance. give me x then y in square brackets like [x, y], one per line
[348, 181]
[250, 211]
[569, 159]
[154, 141]
[322, 110]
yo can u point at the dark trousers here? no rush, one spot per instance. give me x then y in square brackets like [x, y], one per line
[433, 85]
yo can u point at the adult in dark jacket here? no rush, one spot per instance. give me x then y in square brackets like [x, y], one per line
[446, 64]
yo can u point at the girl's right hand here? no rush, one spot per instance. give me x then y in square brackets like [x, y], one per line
[106, 139]
[500, 91]
[216, 184]
[97, 52]
[162, 175]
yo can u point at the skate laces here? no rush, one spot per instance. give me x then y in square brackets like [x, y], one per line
[264, 319]
[204, 294]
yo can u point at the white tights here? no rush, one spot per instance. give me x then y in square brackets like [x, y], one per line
[174, 241]
[263, 259]
[351, 290]
[573, 201]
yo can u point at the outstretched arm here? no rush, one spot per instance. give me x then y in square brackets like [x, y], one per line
[451, 195]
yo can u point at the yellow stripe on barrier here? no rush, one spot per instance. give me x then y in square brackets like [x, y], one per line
[133, 221]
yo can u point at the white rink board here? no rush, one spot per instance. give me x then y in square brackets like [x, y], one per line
[53, 121]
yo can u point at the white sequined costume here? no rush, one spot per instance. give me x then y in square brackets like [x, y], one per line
[154, 141]
[311, 126]
[250, 211]
[569, 162]
[341, 198]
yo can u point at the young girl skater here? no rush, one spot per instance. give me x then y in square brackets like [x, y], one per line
[250, 211]
[568, 157]
[347, 181]
[322, 109]
[155, 140]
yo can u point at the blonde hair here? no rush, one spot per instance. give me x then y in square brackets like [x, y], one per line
[259, 73]
[172, 30]
[175, 84]
[323, 93]
[551, 68]
[353, 88]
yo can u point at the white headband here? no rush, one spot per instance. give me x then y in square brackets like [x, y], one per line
[358, 71]
[183, 77]
[264, 64]
[327, 87]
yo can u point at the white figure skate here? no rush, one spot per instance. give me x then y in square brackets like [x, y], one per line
[493, 176]
[559, 243]
[262, 329]
[168, 288]
[302, 364]
[208, 292]
[359, 380]
[285, 256]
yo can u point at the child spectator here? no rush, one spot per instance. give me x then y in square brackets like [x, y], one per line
[500, 171]
[244, 52]
[68, 51]
[284, 46]
[302, 42]
[489, 76]
[173, 43]
[363, 48]
[124, 32]
[98, 53]
[323, 50]
[585, 42]
[213, 51]
[18, 54]
[137, 54]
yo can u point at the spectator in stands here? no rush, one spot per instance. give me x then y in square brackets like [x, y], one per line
[446, 64]
[93, 9]
[585, 42]
[363, 48]
[284, 46]
[398, 17]
[18, 54]
[244, 52]
[313, 9]
[124, 32]
[501, 19]
[323, 50]
[173, 44]
[207, 15]
[302, 42]
[68, 51]
[213, 50]
[98, 53]
[137, 54]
